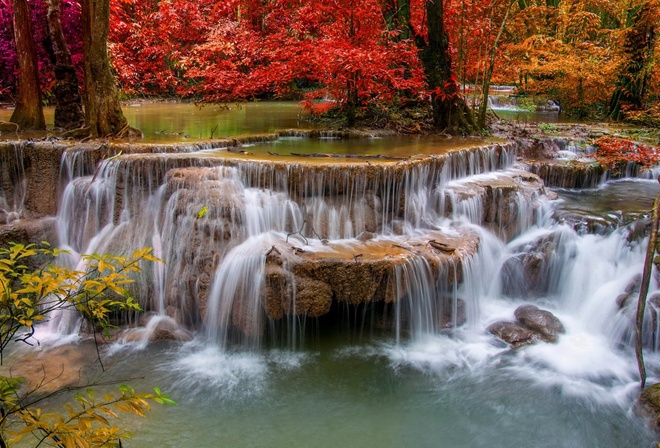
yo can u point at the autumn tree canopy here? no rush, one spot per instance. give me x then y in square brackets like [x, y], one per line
[365, 55]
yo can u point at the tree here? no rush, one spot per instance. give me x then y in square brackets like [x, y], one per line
[28, 113]
[29, 296]
[639, 50]
[450, 111]
[103, 114]
[68, 107]
[489, 65]
[568, 54]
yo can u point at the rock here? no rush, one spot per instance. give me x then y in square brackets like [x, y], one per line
[308, 282]
[495, 198]
[622, 300]
[532, 266]
[648, 405]
[157, 328]
[167, 330]
[513, 333]
[541, 321]
[31, 231]
[450, 318]
[634, 284]
[654, 300]
[8, 126]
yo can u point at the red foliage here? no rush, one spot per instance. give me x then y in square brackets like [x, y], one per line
[70, 15]
[243, 49]
[614, 152]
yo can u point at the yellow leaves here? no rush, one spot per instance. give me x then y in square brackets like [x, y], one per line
[27, 297]
[91, 423]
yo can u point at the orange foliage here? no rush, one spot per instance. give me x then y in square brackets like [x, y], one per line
[614, 152]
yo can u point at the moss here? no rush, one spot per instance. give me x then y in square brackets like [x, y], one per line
[651, 397]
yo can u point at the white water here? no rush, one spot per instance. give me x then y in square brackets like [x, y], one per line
[583, 275]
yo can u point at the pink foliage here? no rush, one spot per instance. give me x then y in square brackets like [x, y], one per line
[70, 13]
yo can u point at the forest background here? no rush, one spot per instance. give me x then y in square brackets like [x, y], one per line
[596, 58]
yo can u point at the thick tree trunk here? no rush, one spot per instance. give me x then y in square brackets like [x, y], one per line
[68, 102]
[103, 114]
[450, 112]
[29, 112]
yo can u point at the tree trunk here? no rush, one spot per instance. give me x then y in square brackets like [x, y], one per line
[639, 46]
[450, 111]
[103, 114]
[29, 112]
[68, 102]
[485, 87]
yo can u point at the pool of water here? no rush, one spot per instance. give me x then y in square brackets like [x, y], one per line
[434, 393]
[181, 122]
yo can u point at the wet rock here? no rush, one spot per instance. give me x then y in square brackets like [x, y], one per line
[541, 321]
[654, 299]
[31, 231]
[7, 126]
[308, 282]
[513, 333]
[167, 330]
[567, 174]
[365, 236]
[622, 300]
[634, 284]
[530, 268]
[452, 317]
[497, 200]
[648, 405]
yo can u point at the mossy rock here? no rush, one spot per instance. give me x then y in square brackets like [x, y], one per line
[649, 405]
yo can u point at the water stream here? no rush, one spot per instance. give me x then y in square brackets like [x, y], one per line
[341, 302]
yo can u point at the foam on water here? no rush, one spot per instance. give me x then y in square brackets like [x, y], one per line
[209, 372]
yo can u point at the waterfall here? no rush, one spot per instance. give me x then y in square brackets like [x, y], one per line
[255, 248]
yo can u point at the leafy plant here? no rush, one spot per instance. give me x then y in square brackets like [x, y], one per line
[28, 296]
[615, 152]
[547, 128]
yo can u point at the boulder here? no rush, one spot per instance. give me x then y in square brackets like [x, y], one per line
[648, 405]
[307, 282]
[513, 333]
[532, 266]
[540, 321]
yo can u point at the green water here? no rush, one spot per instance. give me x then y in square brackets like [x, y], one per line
[358, 396]
[188, 122]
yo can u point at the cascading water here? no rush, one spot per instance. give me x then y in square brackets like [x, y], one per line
[432, 249]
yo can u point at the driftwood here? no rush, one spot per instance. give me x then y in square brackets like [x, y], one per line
[441, 246]
[8, 126]
[238, 151]
[347, 156]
